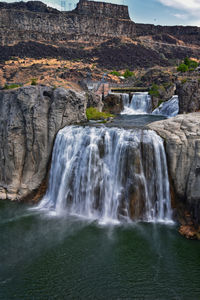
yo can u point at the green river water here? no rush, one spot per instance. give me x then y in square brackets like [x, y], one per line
[44, 257]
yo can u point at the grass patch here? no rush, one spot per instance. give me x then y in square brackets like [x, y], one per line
[115, 73]
[11, 86]
[93, 114]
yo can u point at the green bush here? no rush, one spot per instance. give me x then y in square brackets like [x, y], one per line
[93, 114]
[11, 86]
[33, 81]
[182, 68]
[187, 65]
[154, 90]
[116, 73]
[128, 73]
[192, 64]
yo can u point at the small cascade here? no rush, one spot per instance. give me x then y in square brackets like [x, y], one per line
[140, 104]
[109, 174]
[169, 108]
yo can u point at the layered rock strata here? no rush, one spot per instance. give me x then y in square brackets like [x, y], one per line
[90, 21]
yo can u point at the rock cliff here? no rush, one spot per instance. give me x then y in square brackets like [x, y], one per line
[90, 21]
[30, 118]
[182, 142]
[95, 32]
[188, 92]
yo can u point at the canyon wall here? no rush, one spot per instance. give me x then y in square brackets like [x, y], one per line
[25, 22]
[90, 21]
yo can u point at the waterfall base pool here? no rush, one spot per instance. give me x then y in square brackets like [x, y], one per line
[60, 258]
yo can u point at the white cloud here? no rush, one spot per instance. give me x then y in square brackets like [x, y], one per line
[190, 7]
[185, 10]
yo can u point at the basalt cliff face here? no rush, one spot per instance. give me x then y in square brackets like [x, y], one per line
[97, 32]
[182, 141]
[30, 118]
[90, 21]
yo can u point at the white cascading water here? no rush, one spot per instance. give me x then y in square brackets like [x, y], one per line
[168, 108]
[140, 104]
[109, 174]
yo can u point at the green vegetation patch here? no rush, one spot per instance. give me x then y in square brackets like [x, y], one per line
[187, 65]
[34, 81]
[11, 86]
[128, 74]
[93, 114]
[154, 90]
[115, 73]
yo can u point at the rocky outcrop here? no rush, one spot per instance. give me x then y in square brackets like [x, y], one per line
[188, 92]
[104, 9]
[113, 103]
[94, 100]
[182, 142]
[30, 118]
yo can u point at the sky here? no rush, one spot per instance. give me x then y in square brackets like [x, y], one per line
[163, 12]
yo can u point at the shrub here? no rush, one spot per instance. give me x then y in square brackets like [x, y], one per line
[33, 81]
[11, 86]
[182, 68]
[116, 73]
[93, 114]
[154, 90]
[187, 61]
[128, 73]
[187, 65]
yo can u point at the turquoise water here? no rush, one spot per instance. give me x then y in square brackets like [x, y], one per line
[44, 257]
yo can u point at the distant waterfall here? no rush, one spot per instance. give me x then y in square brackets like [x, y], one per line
[168, 108]
[140, 104]
[109, 174]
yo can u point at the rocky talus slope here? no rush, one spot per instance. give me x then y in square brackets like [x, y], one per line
[30, 118]
[182, 141]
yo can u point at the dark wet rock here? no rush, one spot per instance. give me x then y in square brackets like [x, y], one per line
[113, 103]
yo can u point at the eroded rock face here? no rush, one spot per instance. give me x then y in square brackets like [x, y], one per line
[113, 103]
[189, 96]
[182, 140]
[30, 118]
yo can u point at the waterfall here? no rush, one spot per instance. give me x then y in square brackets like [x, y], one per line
[109, 174]
[140, 104]
[169, 108]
